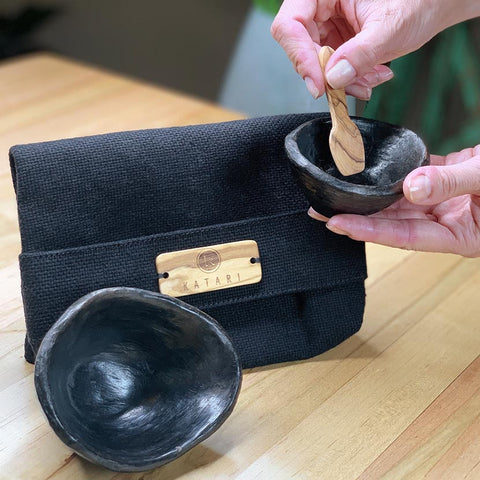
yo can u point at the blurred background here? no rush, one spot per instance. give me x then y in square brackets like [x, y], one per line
[223, 52]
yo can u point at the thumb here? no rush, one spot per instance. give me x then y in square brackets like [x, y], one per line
[357, 56]
[435, 184]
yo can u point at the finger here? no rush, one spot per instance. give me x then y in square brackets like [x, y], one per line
[434, 184]
[380, 74]
[403, 214]
[291, 30]
[437, 160]
[362, 87]
[408, 234]
[396, 214]
[361, 92]
[335, 31]
[356, 57]
[455, 157]
[404, 204]
[388, 213]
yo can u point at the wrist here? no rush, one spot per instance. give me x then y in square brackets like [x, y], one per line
[459, 11]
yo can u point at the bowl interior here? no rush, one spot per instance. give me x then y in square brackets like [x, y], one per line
[391, 152]
[137, 379]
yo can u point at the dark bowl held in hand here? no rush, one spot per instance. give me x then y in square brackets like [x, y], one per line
[132, 379]
[391, 153]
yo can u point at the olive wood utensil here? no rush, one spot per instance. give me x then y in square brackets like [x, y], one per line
[346, 144]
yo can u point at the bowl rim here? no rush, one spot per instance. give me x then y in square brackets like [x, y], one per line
[43, 362]
[300, 161]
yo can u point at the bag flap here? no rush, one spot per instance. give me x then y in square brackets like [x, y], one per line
[106, 188]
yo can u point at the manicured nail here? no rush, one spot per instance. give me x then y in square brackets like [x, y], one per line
[375, 78]
[335, 229]
[341, 74]
[317, 216]
[385, 75]
[362, 93]
[312, 88]
[419, 188]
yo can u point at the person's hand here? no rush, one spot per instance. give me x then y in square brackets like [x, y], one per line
[365, 34]
[439, 213]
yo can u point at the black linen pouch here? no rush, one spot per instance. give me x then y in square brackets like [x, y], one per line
[95, 212]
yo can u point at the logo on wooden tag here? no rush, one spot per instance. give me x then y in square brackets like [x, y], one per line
[208, 260]
[204, 269]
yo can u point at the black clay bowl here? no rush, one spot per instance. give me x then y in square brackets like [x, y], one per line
[131, 379]
[391, 153]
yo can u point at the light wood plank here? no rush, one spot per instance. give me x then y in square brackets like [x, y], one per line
[397, 400]
[387, 404]
[441, 433]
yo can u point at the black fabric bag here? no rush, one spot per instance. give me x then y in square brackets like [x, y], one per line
[95, 212]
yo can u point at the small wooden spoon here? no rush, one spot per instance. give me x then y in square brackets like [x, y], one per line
[345, 140]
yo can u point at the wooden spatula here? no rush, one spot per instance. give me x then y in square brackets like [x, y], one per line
[345, 140]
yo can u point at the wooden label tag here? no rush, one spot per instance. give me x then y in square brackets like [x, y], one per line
[199, 270]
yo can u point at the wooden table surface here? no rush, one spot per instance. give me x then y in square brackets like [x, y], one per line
[398, 400]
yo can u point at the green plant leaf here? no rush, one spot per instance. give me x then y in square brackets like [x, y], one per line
[440, 81]
[270, 6]
[464, 61]
[402, 87]
[468, 136]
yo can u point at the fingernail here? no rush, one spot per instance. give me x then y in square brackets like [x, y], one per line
[341, 74]
[335, 229]
[315, 215]
[385, 75]
[376, 78]
[419, 188]
[312, 88]
[362, 93]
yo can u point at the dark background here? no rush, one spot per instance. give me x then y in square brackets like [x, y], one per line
[190, 46]
[184, 44]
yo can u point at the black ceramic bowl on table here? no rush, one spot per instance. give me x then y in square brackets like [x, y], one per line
[131, 379]
[391, 153]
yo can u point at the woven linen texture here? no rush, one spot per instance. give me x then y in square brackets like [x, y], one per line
[94, 212]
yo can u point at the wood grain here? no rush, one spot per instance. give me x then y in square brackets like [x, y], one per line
[346, 143]
[440, 438]
[209, 268]
[398, 400]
